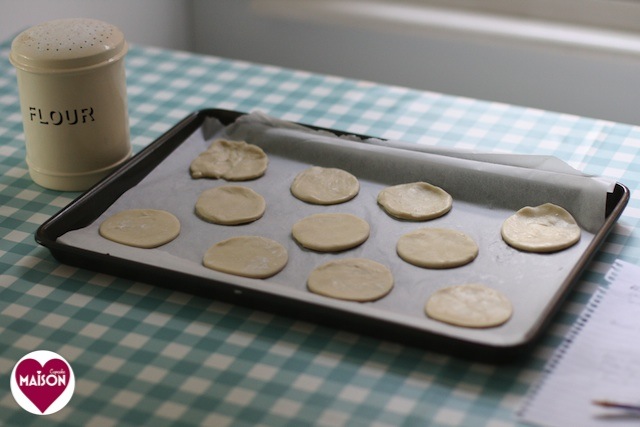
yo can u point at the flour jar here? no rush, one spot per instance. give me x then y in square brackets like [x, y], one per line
[72, 87]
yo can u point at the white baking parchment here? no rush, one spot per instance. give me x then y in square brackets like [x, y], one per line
[486, 189]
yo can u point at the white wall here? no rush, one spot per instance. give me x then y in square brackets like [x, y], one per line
[165, 23]
[592, 83]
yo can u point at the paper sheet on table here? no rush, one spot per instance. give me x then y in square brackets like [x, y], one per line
[599, 360]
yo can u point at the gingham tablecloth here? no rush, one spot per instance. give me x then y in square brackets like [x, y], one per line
[144, 355]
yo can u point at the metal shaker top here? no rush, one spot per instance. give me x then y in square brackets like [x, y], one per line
[67, 45]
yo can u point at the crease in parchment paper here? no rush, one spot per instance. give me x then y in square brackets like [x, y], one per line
[517, 180]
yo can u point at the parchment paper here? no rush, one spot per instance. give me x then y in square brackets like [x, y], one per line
[486, 189]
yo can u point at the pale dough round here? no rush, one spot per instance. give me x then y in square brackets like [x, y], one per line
[470, 305]
[230, 205]
[141, 228]
[353, 279]
[330, 232]
[230, 160]
[544, 228]
[437, 248]
[325, 186]
[248, 256]
[416, 201]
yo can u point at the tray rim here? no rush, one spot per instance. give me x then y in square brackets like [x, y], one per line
[105, 192]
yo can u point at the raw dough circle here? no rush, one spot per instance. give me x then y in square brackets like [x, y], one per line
[353, 279]
[141, 228]
[230, 160]
[330, 232]
[544, 228]
[416, 201]
[248, 256]
[325, 186]
[437, 248]
[470, 305]
[230, 205]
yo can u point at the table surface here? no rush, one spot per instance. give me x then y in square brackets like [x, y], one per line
[144, 355]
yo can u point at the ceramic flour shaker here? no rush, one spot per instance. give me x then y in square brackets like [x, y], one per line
[72, 86]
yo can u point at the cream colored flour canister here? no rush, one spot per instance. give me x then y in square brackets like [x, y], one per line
[72, 86]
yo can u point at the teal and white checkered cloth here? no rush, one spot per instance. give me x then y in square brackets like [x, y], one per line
[144, 355]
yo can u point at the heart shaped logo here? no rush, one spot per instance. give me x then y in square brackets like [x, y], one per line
[44, 380]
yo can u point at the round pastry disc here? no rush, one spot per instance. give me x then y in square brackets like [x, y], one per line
[141, 228]
[330, 232]
[248, 256]
[416, 201]
[230, 205]
[544, 228]
[470, 305]
[325, 186]
[352, 279]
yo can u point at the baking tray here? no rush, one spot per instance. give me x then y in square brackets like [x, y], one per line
[398, 316]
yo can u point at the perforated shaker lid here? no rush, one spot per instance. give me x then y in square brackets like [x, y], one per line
[67, 45]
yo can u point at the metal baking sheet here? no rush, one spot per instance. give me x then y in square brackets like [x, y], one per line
[485, 193]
